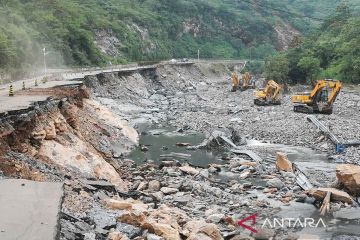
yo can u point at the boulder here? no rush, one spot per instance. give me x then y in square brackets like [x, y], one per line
[154, 186]
[275, 183]
[125, 204]
[349, 176]
[164, 230]
[150, 236]
[168, 190]
[189, 170]
[283, 163]
[117, 236]
[244, 175]
[164, 221]
[215, 218]
[195, 230]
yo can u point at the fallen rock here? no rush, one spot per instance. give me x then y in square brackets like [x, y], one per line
[196, 230]
[264, 234]
[164, 230]
[163, 221]
[283, 163]
[249, 164]
[158, 195]
[275, 183]
[215, 218]
[244, 175]
[154, 186]
[117, 236]
[150, 236]
[336, 195]
[125, 204]
[189, 170]
[349, 176]
[142, 186]
[168, 190]
[183, 144]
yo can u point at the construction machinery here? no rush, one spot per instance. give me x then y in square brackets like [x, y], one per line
[320, 100]
[270, 95]
[235, 82]
[246, 82]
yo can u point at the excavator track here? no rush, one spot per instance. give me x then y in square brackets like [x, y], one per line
[303, 109]
[259, 102]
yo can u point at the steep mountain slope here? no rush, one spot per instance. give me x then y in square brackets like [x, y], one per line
[330, 52]
[95, 32]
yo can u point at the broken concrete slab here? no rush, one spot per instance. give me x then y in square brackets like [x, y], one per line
[349, 176]
[29, 210]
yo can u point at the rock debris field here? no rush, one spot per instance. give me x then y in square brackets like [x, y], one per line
[244, 161]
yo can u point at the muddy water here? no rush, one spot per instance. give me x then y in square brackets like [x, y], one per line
[294, 153]
[162, 145]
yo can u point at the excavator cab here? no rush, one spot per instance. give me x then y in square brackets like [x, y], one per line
[320, 100]
[270, 95]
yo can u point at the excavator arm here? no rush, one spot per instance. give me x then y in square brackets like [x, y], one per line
[336, 90]
[246, 82]
[270, 95]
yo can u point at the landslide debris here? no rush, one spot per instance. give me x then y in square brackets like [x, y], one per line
[84, 139]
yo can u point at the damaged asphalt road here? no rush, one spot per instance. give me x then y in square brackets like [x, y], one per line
[86, 139]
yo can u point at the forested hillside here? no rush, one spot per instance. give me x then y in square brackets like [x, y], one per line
[333, 51]
[95, 32]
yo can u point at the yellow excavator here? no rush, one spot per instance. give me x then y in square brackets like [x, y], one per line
[320, 100]
[246, 82]
[235, 82]
[270, 95]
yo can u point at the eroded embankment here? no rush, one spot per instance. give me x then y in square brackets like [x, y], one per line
[67, 137]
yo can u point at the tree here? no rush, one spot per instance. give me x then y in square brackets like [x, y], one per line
[311, 67]
[277, 68]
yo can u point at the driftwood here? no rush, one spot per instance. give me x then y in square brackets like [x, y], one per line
[325, 206]
[336, 195]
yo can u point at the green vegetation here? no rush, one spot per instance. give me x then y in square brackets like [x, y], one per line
[333, 51]
[75, 31]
